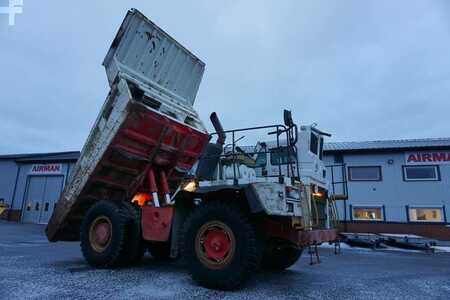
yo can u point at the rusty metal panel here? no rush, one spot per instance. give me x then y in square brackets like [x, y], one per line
[156, 223]
[127, 138]
[144, 52]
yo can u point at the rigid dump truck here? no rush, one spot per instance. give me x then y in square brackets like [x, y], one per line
[150, 177]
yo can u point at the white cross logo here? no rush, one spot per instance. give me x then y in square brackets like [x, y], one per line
[15, 7]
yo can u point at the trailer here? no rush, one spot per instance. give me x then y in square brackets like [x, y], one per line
[408, 241]
[150, 177]
[364, 240]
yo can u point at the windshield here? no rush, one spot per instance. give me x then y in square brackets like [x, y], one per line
[282, 155]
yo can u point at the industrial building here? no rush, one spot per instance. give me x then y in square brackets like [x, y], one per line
[30, 184]
[400, 186]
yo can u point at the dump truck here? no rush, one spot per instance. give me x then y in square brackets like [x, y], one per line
[151, 178]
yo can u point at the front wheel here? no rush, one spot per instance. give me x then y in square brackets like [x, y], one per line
[219, 246]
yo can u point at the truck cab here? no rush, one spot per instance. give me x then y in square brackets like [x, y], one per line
[308, 152]
[284, 177]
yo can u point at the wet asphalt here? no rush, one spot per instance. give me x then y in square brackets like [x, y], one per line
[32, 268]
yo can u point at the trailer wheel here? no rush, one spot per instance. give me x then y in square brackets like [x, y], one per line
[160, 250]
[134, 247]
[103, 234]
[279, 256]
[219, 246]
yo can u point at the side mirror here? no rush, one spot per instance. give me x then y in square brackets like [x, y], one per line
[288, 118]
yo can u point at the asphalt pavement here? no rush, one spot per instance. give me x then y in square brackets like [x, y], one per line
[31, 267]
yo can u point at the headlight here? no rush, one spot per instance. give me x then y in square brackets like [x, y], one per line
[190, 186]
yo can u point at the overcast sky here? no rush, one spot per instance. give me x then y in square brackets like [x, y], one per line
[362, 70]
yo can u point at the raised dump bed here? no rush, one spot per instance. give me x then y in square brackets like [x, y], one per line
[145, 53]
[147, 135]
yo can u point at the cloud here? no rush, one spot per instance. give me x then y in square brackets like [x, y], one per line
[361, 70]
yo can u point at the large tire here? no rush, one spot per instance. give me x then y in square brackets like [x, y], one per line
[103, 233]
[279, 256]
[219, 246]
[134, 246]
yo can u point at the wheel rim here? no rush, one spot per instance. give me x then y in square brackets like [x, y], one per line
[100, 233]
[215, 244]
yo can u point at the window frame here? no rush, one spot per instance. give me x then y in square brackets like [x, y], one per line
[437, 172]
[349, 173]
[381, 207]
[441, 207]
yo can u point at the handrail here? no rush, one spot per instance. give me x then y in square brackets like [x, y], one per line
[291, 136]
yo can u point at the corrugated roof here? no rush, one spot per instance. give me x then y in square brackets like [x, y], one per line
[70, 155]
[429, 143]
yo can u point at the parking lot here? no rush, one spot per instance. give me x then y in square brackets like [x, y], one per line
[30, 267]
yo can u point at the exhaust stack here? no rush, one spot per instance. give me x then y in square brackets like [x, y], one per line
[219, 129]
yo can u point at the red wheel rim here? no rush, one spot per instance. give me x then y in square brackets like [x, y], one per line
[215, 244]
[100, 233]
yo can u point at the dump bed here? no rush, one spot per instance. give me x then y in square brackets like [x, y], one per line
[142, 127]
[143, 51]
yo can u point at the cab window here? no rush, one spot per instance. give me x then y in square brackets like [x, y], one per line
[313, 147]
[261, 160]
[321, 148]
[282, 155]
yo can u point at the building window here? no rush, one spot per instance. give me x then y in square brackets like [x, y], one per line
[426, 214]
[371, 173]
[365, 213]
[421, 173]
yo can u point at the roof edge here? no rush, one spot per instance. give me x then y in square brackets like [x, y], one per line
[26, 156]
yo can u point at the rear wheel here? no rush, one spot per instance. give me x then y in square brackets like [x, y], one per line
[103, 234]
[134, 246]
[280, 256]
[219, 246]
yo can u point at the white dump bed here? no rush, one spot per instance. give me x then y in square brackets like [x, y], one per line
[143, 51]
[147, 123]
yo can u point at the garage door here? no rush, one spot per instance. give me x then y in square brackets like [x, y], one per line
[40, 198]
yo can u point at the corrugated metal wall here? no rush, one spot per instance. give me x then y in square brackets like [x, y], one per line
[8, 174]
